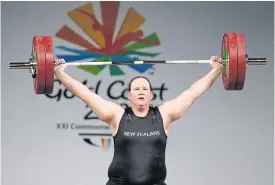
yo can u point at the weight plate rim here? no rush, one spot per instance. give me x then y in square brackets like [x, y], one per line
[49, 65]
[229, 80]
[39, 80]
[241, 61]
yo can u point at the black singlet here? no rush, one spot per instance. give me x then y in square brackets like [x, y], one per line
[139, 150]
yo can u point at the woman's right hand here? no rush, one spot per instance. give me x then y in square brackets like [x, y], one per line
[59, 65]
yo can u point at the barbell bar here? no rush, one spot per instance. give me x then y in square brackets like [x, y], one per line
[235, 62]
[32, 63]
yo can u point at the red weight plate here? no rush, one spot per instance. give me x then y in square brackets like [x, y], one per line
[241, 61]
[49, 64]
[229, 53]
[39, 56]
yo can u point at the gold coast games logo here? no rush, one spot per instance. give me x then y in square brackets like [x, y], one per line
[125, 47]
[104, 45]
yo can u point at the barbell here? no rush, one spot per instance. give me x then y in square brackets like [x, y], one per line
[233, 53]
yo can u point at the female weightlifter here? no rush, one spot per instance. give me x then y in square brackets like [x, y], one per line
[140, 131]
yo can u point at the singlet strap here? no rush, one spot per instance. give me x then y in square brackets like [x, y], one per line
[128, 111]
[153, 112]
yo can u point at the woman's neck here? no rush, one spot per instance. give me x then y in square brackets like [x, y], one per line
[140, 111]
